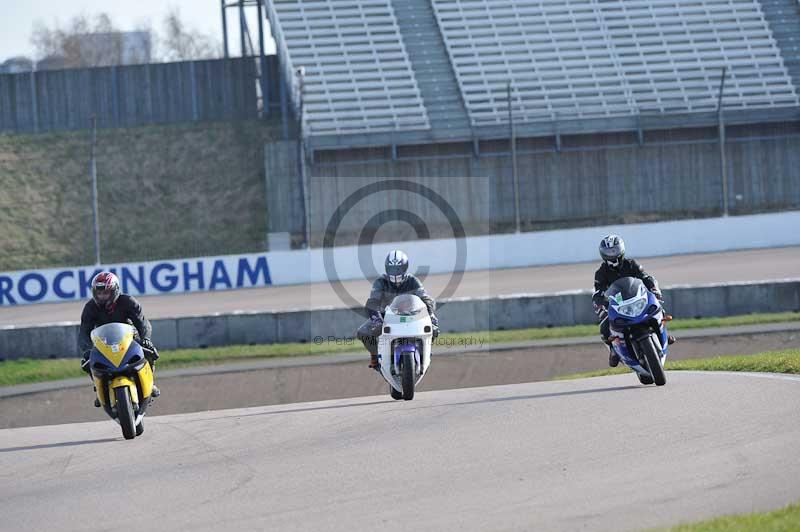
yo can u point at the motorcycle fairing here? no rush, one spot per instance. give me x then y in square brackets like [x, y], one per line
[113, 342]
[116, 360]
[650, 320]
[399, 350]
[406, 327]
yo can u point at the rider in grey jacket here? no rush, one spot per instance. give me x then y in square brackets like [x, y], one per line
[394, 282]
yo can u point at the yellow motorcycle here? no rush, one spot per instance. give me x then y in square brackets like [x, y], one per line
[123, 378]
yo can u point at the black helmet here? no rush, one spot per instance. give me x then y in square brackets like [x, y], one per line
[612, 250]
[105, 290]
[396, 267]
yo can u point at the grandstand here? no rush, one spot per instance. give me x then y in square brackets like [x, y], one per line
[358, 77]
[380, 72]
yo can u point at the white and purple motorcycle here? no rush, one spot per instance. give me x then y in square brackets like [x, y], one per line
[404, 346]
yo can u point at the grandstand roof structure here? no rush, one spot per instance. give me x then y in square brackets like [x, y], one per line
[377, 72]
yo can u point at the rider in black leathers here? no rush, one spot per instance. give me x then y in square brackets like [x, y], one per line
[394, 282]
[615, 266]
[108, 305]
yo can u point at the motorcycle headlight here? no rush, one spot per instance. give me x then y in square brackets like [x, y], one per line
[633, 309]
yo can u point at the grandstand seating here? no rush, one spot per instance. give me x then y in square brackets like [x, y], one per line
[358, 77]
[592, 59]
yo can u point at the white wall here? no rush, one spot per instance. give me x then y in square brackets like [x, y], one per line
[553, 247]
[438, 256]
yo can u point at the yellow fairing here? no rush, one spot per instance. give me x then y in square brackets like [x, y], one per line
[146, 378]
[120, 382]
[101, 392]
[114, 352]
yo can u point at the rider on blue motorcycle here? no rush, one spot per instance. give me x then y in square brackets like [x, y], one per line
[614, 267]
[394, 282]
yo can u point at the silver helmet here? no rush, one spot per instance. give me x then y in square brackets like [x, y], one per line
[612, 250]
[396, 267]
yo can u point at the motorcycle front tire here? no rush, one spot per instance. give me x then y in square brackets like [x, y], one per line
[125, 413]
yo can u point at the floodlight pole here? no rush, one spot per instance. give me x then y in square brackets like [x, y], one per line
[514, 169]
[224, 28]
[242, 29]
[301, 144]
[262, 61]
[93, 173]
[722, 159]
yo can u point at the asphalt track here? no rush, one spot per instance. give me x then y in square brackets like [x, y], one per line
[302, 379]
[736, 266]
[594, 454]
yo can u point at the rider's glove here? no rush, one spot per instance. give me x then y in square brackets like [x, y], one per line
[376, 320]
[657, 293]
[85, 362]
[147, 343]
[600, 310]
[434, 320]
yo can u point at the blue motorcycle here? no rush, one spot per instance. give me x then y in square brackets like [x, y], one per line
[638, 329]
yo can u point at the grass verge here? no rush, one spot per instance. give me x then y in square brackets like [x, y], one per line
[785, 361]
[784, 520]
[29, 370]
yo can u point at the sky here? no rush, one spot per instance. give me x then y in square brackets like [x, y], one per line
[18, 16]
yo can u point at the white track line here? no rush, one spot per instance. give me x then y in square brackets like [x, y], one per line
[776, 376]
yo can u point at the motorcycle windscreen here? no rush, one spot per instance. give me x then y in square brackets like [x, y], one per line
[407, 305]
[113, 340]
[624, 289]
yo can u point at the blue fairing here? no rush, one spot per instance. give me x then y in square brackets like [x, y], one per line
[403, 348]
[621, 323]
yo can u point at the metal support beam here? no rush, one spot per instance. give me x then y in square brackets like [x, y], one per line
[264, 77]
[556, 133]
[514, 169]
[93, 174]
[224, 29]
[283, 85]
[242, 29]
[301, 156]
[722, 159]
[639, 130]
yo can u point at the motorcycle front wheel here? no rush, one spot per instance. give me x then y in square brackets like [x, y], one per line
[125, 412]
[653, 361]
[407, 363]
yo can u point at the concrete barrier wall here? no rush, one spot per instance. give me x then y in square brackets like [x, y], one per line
[458, 315]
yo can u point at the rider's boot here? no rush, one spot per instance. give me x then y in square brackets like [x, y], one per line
[373, 361]
[613, 357]
[85, 367]
[155, 392]
[670, 339]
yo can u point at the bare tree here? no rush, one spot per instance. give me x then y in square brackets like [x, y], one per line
[83, 42]
[96, 41]
[179, 43]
